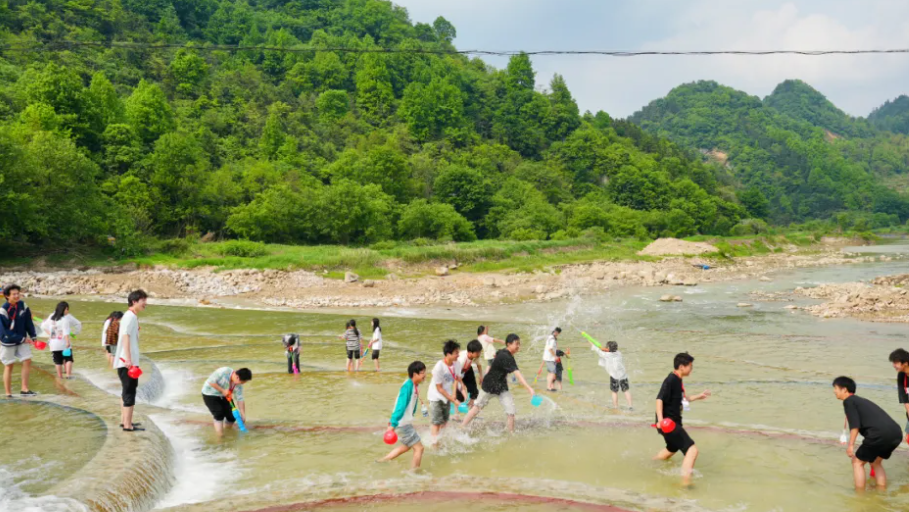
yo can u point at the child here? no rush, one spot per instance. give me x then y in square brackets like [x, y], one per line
[881, 434]
[59, 327]
[352, 342]
[402, 416]
[611, 359]
[495, 383]
[222, 386]
[559, 368]
[468, 376]
[292, 349]
[16, 339]
[376, 343]
[488, 342]
[109, 335]
[550, 358]
[446, 374]
[669, 405]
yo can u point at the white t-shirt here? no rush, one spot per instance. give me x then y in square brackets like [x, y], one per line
[464, 362]
[129, 325]
[549, 349]
[614, 364]
[377, 339]
[104, 332]
[489, 348]
[57, 331]
[444, 375]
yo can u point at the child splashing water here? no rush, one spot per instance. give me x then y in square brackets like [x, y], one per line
[611, 359]
[59, 327]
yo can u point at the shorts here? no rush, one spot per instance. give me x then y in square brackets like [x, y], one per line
[504, 397]
[109, 348]
[353, 354]
[550, 366]
[59, 358]
[558, 372]
[10, 355]
[407, 435]
[470, 382]
[614, 385]
[439, 412]
[869, 452]
[375, 354]
[219, 407]
[677, 440]
[129, 387]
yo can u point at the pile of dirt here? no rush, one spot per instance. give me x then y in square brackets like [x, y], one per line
[676, 247]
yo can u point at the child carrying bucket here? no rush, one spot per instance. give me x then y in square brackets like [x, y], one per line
[292, 350]
[59, 327]
[400, 426]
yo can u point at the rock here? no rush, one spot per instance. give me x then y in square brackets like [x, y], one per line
[539, 289]
[369, 283]
[667, 298]
[749, 263]
[676, 298]
[442, 271]
[766, 279]
[392, 277]
[205, 302]
[489, 282]
[688, 281]
[350, 277]
[744, 305]
[792, 306]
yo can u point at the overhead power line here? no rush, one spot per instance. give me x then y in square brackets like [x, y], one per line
[57, 46]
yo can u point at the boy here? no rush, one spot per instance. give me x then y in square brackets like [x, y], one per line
[669, 405]
[496, 382]
[127, 356]
[488, 342]
[402, 416]
[291, 344]
[611, 359]
[550, 358]
[900, 360]
[446, 374]
[468, 377]
[222, 386]
[881, 434]
[16, 339]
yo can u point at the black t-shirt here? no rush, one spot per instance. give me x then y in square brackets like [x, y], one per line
[872, 422]
[496, 380]
[902, 383]
[671, 393]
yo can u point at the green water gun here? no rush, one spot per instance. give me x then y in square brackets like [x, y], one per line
[591, 340]
[568, 368]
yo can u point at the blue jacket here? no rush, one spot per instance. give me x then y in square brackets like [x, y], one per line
[404, 397]
[17, 324]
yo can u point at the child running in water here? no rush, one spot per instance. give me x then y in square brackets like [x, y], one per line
[495, 383]
[376, 343]
[468, 390]
[669, 405]
[109, 335]
[446, 374]
[881, 434]
[402, 416]
[611, 359]
[59, 327]
[291, 344]
[352, 342]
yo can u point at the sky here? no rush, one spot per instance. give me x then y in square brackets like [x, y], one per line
[621, 85]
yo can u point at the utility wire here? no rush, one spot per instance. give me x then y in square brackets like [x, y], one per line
[57, 46]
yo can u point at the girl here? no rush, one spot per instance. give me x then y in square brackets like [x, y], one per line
[376, 343]
[107, 341]
[59, 327]
[352, 339]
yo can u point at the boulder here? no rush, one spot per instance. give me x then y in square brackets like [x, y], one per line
[369, 283]
[666, 298]
[350, 277]
[442, 271]
[744, 305]
[676, 298]
[766, 279]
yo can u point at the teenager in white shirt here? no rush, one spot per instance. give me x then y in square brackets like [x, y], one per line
[127, 356]
[376, 343]
[445, 377]
[59, 327]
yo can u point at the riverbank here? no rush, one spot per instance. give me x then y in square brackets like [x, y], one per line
[884, 299]
[449, 283]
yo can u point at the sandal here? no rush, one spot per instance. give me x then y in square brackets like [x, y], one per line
[135, 424]
[134, 429]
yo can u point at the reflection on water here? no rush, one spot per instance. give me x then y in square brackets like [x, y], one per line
[767, 436]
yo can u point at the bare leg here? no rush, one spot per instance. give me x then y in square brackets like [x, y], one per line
[417, 455]
[474, 411]
[359, 364]
[219, 427]
[377, 364]
[880, 475]
[26, 368]
[69, 369]
[59, 371]
[550, 381]
[688, 465]
[858, 472]
[349, 364]
[615, 400]
[398, 451]
[128, 417]
[510, 423]
[7, 378]
[628, 398]
[663, 455]
[434, 430]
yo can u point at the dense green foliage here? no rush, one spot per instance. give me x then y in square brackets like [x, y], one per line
[312, 145]
[786, 162]
[892, 116]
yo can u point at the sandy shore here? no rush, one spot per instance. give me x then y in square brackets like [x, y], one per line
[308, 290]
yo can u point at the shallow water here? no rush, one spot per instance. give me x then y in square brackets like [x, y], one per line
[767, 436]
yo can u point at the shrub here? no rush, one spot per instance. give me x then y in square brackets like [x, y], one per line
[243, 249]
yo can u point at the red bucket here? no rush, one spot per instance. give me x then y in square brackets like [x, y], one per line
[40, 345]
[134, 372]
[667, 426]
[390, 437]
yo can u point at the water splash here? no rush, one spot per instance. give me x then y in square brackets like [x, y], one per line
[14, 499]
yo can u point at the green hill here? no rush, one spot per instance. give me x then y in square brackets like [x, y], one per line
[892, 116]
[333, 140]
[787, 164]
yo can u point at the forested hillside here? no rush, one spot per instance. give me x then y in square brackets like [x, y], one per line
[794, 156]
[892, 116]
[311, 145]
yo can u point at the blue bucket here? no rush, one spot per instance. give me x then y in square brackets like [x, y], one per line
[67, 352]
[536, 401]
[463, 408]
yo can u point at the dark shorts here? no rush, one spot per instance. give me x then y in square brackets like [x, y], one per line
[678, 440]
[869, 452]
[615, 385]
[353, 354]
[470, 382]
[375, 354]
[219, 407]
[558, 371]
[59, 358]
[129, 387]
[109, 348]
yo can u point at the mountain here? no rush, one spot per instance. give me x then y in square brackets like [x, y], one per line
[339, 121]
[784, 150]
[892, 116]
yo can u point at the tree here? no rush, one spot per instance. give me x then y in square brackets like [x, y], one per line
[188, 71]
[422, 219]
[465, 189]
[564, 115]
[332, 106]
[431, 109]
[274, 134]
[149, 113]
[444, 30]
[375, 98]
[177, 169]
[755, 202]
[106, 100]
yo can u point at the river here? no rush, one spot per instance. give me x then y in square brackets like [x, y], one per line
[767, 436]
